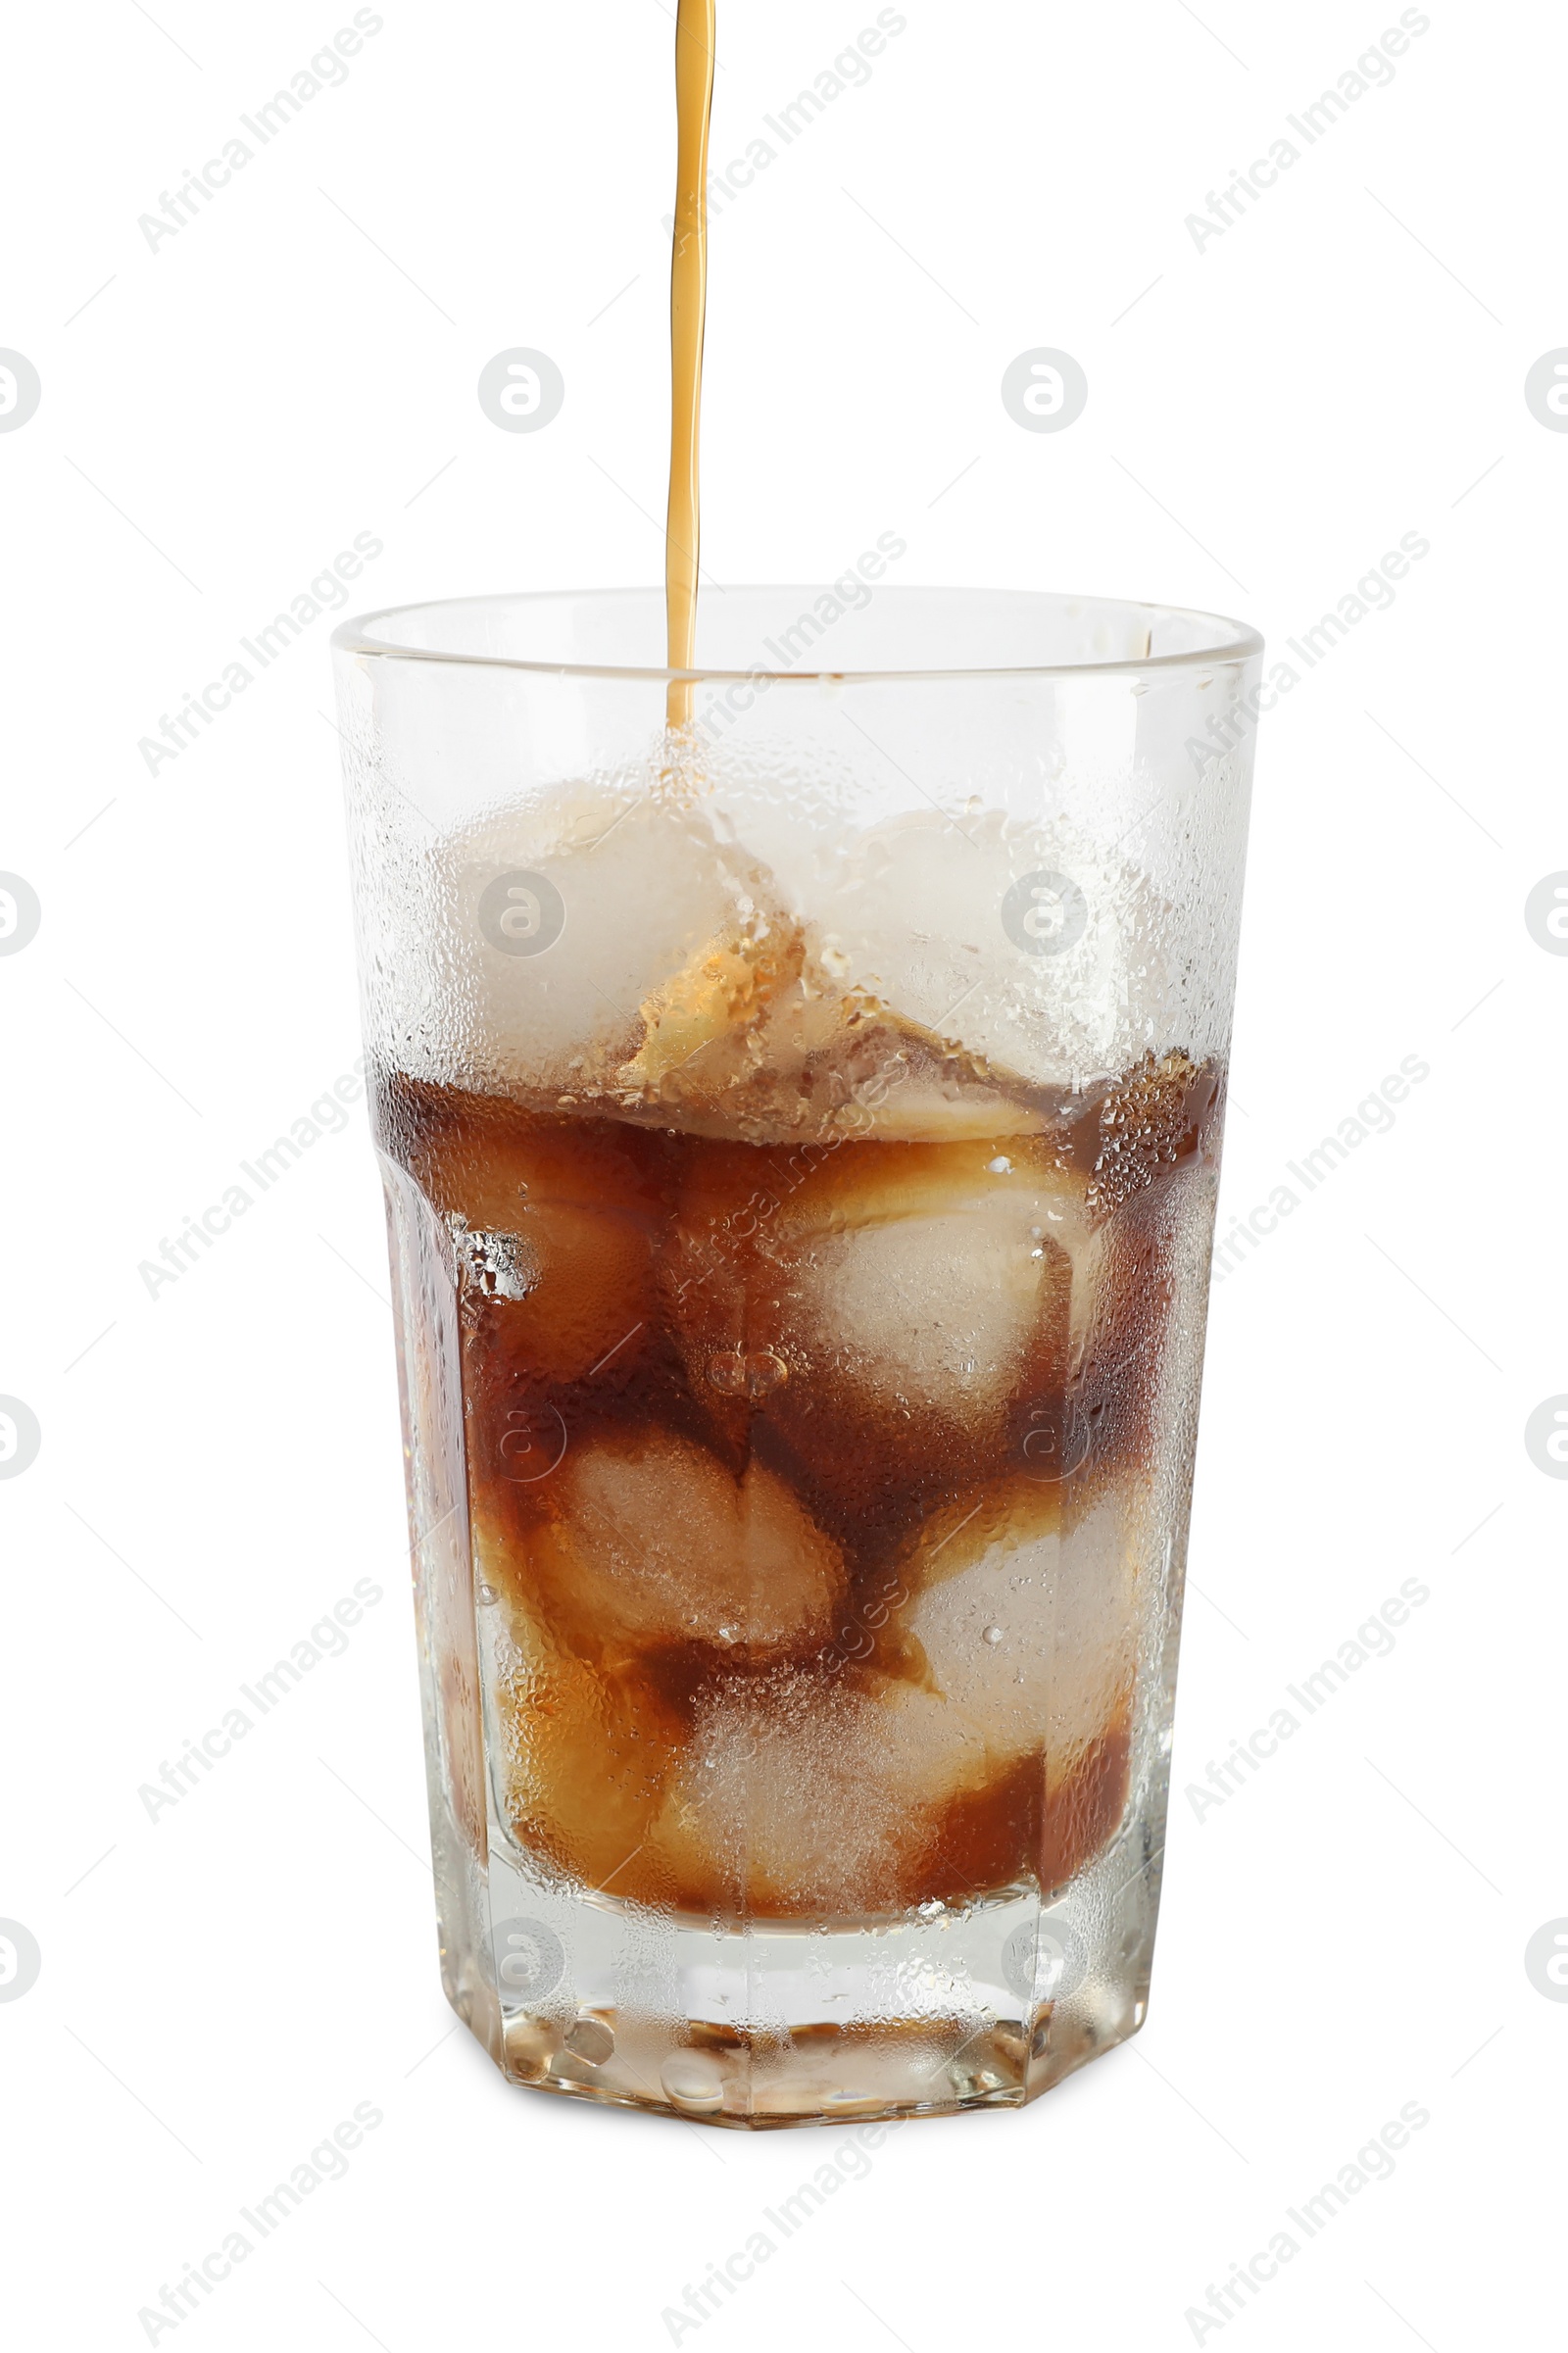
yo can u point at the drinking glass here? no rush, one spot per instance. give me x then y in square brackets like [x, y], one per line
[799, 1131]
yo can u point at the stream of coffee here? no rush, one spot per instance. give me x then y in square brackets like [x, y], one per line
[688, 302]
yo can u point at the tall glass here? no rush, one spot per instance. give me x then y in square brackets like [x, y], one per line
[800, 1134]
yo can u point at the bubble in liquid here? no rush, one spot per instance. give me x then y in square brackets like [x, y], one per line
[755, 1376]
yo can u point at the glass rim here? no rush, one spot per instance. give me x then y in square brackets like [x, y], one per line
[1237, 640]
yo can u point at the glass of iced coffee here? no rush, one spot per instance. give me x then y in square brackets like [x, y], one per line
[800, 1128]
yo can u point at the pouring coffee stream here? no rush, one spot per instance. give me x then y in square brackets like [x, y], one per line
[688, 299]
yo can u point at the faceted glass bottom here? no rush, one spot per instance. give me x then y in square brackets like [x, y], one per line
[780, 2024]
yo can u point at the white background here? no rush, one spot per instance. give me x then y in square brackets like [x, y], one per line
[1345, 1933]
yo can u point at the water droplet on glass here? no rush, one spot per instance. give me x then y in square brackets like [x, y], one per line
[487, 1596]
[992, 1635]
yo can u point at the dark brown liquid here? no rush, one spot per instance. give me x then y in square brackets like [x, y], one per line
[688, 304]
[699, 1511]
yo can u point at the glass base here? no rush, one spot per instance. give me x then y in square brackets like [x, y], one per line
[780, 2024]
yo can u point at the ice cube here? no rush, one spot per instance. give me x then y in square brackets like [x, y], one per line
[553, 922]
[1053, 956]
[616, 935]
[591, 2040]
[745, 1004]
[585, 1753]
[756, 1038]
[802, 1792]
[919, 1278]
[1027, 1623]
[881, 1306]
[642, 1540]
[797, 1797]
